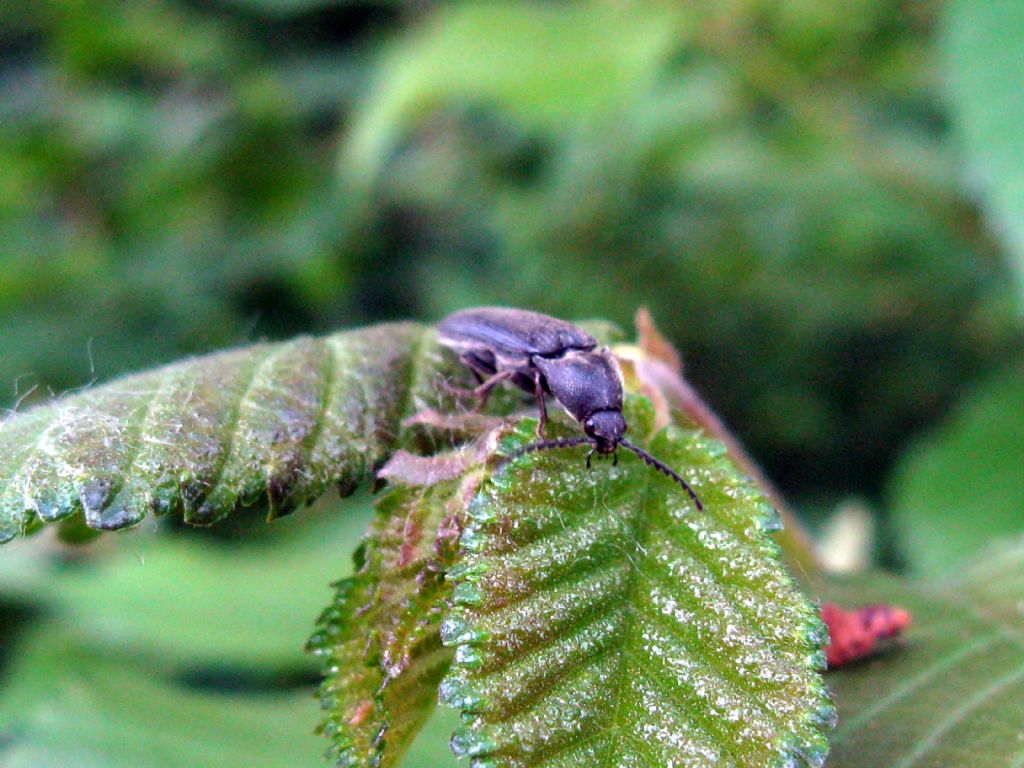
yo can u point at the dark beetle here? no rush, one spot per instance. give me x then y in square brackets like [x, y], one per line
[545, 355]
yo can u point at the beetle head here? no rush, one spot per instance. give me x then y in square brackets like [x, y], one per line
[606, 429]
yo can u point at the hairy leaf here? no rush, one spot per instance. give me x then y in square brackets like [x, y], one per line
[952, 694]
[270, 425]
[985, 61]
[602, 621]
[961, 487]
[381, 638]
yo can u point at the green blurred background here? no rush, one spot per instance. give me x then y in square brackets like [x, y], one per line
[802, 192]
[778, 181]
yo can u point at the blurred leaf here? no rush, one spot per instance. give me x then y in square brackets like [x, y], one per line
[247, 605]
[69, 702]
[602, 622]
[431, 748]
[582, 58]
[285, 8]
[380, 639]
[271, 425]
[962, 486]
[952, 694]
[984, 57]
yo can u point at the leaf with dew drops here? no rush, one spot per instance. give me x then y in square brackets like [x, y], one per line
[271, 425]
[601, 621]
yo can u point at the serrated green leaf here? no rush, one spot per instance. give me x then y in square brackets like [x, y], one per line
[951, 694]
[381, 637]
[602, 621]
[271, 425]
[961, 487]
[984, 57]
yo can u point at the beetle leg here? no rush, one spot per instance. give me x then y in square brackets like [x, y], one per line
[588, 457]
[453, 390]
[615, 459]
[483, 392]
[538, 391]
[474, 365]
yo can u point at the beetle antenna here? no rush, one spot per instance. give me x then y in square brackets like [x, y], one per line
[546, 445]
[664, 469]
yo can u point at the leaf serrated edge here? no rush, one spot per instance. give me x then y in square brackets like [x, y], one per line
[805, 744]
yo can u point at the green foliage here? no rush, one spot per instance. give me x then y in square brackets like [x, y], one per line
[68, 702]
[961, 487]
[794, 187]
[278, 8]
[584, 59]
[954, 694]
[601, 621]
[431, 749]
[984, 54]
[380, 638]
[769, 200]
[271, 425]
[774, 178]
[244, 606]
[161, 184]
[156, 650]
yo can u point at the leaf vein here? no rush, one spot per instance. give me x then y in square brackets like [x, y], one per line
[564, 674]
[959, 714]
[232, 427]
[907, 687]
[639, 541]
[313, 439]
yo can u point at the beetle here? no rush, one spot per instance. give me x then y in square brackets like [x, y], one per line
[543, 355]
